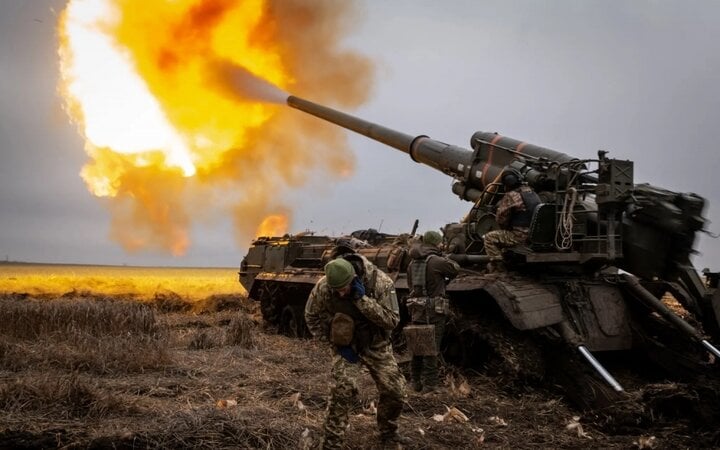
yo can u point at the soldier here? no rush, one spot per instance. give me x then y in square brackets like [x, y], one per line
[428, 273]
[354, 308]
[513, 215]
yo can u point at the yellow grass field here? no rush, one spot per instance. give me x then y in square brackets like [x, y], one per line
[142, 283]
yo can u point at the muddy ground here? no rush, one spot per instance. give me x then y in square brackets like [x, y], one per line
[213, 377]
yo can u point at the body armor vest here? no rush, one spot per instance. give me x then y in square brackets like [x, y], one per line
[364, 330]
[523, 218]
[418, 282]
[420, 306]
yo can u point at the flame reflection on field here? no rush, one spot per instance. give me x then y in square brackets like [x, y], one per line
[142, 283]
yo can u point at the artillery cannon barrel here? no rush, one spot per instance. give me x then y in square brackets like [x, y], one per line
[449, 159]
[475, 168]
[387, 136]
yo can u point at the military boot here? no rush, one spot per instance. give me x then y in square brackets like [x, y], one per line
[395, 440]
[417, 385]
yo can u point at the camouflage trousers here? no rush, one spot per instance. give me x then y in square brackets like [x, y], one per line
[390, 383]
[424, 369]
[497, 240]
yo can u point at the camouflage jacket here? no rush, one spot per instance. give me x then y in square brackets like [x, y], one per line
[511, 202]
[379, 306]
[439, 269]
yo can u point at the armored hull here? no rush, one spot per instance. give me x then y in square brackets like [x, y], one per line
[280, 271]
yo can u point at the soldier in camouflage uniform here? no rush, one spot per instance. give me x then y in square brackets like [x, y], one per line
[363, 292]
[428, 274]
[513, 215]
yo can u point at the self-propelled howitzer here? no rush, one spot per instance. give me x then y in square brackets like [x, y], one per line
[602, 252]
[660, 224]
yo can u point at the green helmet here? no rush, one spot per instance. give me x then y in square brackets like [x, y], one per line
[339, 273]
[432, 238]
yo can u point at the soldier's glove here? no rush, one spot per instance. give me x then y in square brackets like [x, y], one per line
[348, 354]
[358, 290]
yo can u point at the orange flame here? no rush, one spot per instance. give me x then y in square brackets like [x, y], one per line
[177, 101]
[274, 225]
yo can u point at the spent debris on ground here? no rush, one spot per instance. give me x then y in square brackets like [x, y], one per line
[111, 372]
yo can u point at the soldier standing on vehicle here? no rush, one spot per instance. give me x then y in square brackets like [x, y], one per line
[513, 215]
[354, 308]
[428, 273]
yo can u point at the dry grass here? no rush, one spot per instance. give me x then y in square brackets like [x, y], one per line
[63, 318]
[80, 334]
[241, 332]
[67, 397]
[103, 373]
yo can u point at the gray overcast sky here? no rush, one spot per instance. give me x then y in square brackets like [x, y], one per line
[637, 78]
